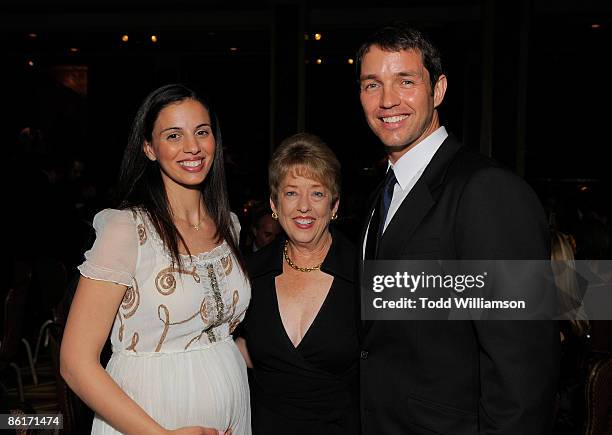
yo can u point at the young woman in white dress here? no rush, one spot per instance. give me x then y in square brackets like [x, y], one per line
[166, 275]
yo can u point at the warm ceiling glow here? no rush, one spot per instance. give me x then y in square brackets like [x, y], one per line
[319, 61]
[30, 62]
[583, 188]
[318, 36]
[595, 26]
[153, 38]
[32, 35]
[350, 61]
[233, 48]
[125, 38]
[74, 49]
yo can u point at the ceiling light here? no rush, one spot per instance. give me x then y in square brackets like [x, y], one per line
[318, 36]
[125, 38]
[153, 38]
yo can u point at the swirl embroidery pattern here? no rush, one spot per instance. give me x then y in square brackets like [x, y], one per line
[165, 282]
[129, 305]
[162, 310]
[121, 327]
[166, 321]
[132, 346]
[226, 262]
[236, 320]
[212, 308]
[142, 234]
[131, 300]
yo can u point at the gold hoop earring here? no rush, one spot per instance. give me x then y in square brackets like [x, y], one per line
[274, 216]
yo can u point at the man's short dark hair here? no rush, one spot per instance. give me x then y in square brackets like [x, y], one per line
[399, 36]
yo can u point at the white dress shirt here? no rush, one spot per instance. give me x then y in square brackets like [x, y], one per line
[408, 169]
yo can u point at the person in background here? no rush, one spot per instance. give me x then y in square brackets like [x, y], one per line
[165, 278]
[574, 336]
[264, 228]
[562, 251]
[300, 333]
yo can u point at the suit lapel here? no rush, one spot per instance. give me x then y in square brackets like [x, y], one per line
[374, 199]
[406, 219]
[411, 213]
[419, 201]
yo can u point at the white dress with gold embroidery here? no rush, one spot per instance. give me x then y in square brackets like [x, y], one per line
[172, 349]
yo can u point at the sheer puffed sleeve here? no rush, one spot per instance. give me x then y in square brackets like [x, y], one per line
[235, 226]
[114, 254]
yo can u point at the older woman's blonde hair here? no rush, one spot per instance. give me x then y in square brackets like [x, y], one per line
[305, 155]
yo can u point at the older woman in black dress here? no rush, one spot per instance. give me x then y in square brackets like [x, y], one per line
[301, 327]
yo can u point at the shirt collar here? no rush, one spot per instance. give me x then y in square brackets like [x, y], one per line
[414, 161]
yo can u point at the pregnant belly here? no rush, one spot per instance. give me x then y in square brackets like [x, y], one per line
[205, 386]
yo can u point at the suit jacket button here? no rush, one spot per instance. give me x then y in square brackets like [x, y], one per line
[364, 354]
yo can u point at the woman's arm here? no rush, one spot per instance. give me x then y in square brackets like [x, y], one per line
[242, 347]
[91, 317]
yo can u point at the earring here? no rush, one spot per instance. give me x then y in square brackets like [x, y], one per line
[334, 217]
[274, 216]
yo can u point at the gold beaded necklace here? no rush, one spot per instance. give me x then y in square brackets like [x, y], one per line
[295, 266]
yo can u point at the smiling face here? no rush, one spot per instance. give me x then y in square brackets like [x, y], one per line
[182, 143]
[397, 99]
[304, 207]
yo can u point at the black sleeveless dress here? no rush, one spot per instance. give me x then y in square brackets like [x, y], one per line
[312, 388]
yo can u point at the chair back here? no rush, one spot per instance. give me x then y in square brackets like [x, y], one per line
[598, 396]
[14, 314]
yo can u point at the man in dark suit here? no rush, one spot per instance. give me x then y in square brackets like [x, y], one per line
[443, 201]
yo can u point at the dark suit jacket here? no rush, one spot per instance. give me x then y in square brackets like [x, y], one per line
[461, 377]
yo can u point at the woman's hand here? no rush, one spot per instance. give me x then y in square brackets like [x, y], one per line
[199, 430]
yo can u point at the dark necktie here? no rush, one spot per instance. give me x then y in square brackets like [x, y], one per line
[387, 194]
[377, 223]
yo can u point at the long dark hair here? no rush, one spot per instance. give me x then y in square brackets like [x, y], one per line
[140, 185]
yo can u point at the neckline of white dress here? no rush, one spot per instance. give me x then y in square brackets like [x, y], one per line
[218, 251]
[208, 254]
